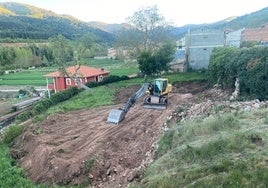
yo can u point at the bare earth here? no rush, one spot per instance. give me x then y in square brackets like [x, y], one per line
[55, 151]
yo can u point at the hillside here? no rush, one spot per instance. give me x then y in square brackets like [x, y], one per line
[224, 145]
[206, 138]
[252, 20]
[111, 28]
[29, 22]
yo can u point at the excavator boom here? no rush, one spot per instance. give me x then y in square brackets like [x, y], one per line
[116, 116]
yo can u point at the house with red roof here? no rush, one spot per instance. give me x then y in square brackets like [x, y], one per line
[83, 73]
[256, 34]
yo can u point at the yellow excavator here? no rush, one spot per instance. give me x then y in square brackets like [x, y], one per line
[156, 98]
[157, 94]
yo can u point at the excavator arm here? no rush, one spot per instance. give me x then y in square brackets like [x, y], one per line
[117, 115]
[155, 99]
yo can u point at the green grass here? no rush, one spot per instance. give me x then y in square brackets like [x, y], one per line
[101, 96]
[12, 176]
[35, 77]
[229, 150]
[116, 67]
[185, 76]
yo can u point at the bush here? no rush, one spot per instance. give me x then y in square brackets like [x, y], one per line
[107, 80]
[249, 65]
[43, 105]
[24, 116]
[11, 133]
[23, 91]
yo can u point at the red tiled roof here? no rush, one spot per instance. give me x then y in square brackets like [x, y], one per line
[84, 71]
[258, 34]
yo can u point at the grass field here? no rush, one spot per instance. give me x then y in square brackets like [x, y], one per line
[35, 77]
[227, 150]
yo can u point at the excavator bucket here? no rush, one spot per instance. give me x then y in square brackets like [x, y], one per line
[115, 116]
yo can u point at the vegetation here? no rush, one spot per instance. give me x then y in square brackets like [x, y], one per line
[149, 30]
[249, 65]
[227, 150]
[11, 176]
[28, 22]
[221, 151]
[148, 40]
[253, 20]
[35, 77]
[154, 63]
[43, 105]
[11, 133]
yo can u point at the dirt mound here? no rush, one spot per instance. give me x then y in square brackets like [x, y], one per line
[189, 87]
[80, 146]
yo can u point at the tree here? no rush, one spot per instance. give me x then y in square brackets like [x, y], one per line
[146, 63]
[147, 30]
[23, 57]
[64, 52]
[154, 63]
[149, 40]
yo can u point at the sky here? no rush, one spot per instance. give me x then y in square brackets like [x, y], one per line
[179, 12]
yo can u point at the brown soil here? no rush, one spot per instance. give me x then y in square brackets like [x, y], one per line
[59, 149]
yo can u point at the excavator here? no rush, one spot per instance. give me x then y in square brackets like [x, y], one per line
[156, 98]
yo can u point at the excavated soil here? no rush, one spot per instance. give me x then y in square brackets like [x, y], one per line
[80, 146]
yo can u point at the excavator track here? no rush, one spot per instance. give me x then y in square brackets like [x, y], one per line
[160, 104]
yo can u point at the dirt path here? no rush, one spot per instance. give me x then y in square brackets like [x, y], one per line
[58, 150]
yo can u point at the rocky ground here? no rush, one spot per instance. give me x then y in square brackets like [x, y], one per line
[80, 146]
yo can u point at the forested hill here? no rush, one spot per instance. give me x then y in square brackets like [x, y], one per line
[252, 20]
[28, 22]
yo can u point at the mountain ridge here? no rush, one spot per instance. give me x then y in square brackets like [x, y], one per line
[18, 20]
[21, 21]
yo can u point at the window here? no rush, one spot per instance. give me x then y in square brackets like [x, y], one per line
[78, 80]
[100, 78]
[68, 81]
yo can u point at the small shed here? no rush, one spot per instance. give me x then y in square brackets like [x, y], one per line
[84, 74]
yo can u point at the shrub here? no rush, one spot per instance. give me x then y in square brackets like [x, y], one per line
[89, 163]
[43, 105]
[23, 91]
[107, 80]
[11, 133]
[249, 65]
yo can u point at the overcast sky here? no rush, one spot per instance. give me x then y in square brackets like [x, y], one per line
[180, 12]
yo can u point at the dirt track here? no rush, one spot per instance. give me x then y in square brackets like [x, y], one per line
[55, 151]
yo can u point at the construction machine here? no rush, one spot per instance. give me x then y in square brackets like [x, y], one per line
[156, 98]
[156, 94]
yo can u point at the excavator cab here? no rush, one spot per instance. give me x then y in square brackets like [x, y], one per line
[160, 86]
